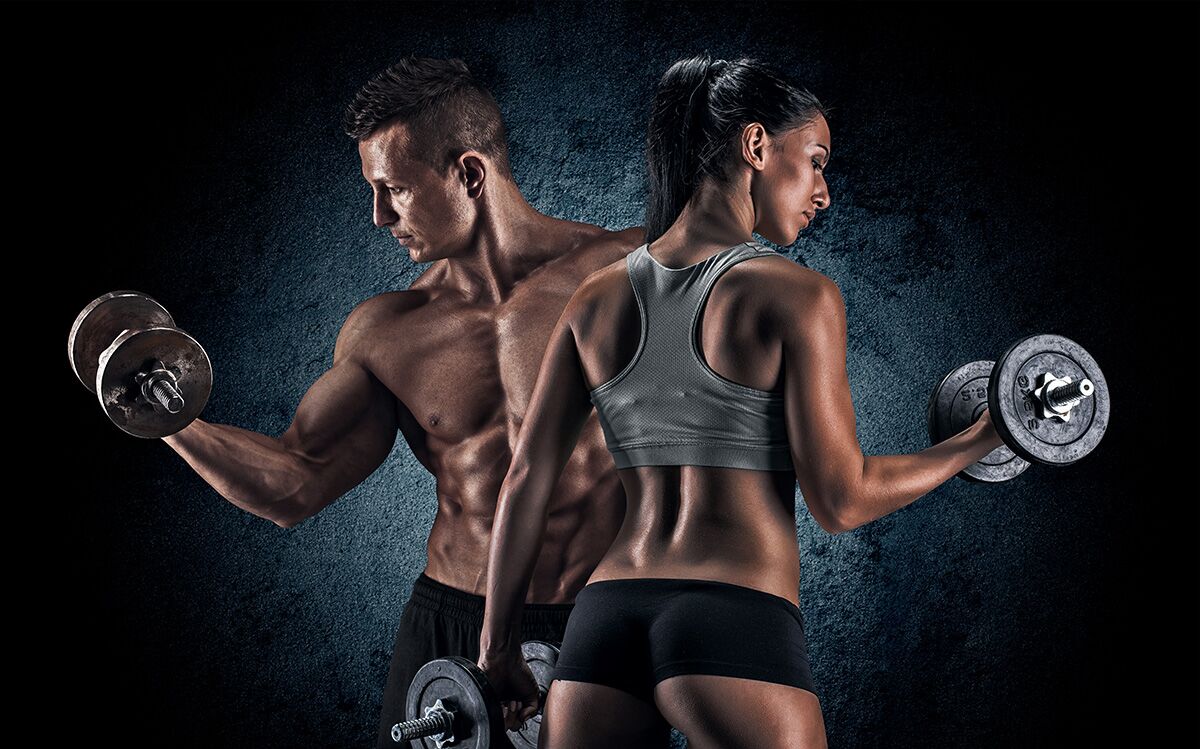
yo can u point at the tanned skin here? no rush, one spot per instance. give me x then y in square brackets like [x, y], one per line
[451, 364]
[770, 324]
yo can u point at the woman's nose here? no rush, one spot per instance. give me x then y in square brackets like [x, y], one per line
[821, 197]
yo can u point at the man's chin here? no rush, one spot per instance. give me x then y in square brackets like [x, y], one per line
[419, 256]
[426, 254]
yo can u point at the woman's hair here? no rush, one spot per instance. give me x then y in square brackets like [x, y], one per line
[699, 110]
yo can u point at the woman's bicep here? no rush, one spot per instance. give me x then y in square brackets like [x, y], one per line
[558, 409]
[820, 415]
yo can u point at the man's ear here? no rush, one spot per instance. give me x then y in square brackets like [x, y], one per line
[472, 172]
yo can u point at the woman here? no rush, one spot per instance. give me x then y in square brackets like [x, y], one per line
[719, 384]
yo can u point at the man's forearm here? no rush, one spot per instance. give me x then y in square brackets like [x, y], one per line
[253, 471]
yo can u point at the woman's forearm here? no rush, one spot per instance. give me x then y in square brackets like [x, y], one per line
[890, 482]
[517, 534]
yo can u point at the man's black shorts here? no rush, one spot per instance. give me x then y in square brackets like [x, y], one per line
[439, 621]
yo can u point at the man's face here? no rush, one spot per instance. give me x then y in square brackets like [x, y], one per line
[429, 213]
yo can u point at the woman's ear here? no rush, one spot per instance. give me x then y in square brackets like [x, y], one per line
[755, 141]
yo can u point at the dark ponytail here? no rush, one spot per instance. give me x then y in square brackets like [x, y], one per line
[699, 109]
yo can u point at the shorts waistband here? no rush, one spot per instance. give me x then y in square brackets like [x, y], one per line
[460, 604]
[688, 583]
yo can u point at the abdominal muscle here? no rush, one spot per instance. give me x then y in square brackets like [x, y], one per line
[731, 525]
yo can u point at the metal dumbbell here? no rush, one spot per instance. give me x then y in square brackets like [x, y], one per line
[1047, 397]
[451, 704]
[152, 379]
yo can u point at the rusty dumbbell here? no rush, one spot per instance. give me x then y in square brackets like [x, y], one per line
[152, 378]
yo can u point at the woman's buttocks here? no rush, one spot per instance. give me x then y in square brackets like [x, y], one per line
[696, 522]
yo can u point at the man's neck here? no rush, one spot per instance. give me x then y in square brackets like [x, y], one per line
[510, 240]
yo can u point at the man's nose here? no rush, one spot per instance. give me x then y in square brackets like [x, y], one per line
[382, 213]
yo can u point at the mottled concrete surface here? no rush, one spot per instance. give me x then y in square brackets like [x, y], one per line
[996, 173]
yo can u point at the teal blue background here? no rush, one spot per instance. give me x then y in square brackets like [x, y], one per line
[997, 172]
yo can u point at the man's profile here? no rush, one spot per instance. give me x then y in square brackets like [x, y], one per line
[449, 362]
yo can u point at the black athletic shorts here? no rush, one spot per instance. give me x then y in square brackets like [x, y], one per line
[439, 621]
[633, 633]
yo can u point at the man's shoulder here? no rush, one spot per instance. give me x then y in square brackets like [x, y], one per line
[382, 310]
[574, 256]
[577, 249]
[606, 246]
[605, 278]
[389, 304]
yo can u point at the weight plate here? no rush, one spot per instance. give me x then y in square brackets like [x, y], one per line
[464, 690]
[1038, 440]
[954, 405]
[135, 351]
[102, 321]
[541, 658]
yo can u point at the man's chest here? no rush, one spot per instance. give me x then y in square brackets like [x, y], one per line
[463, 369]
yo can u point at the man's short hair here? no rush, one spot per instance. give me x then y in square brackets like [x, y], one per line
[445, 109]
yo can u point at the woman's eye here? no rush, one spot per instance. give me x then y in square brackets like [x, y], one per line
[817, 165]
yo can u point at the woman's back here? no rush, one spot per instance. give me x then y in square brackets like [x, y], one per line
[701, 444]
[701, 437]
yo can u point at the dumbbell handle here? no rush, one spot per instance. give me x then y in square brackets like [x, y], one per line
[1065, 396]
[158, 384]
[166, 394]
[437, 721]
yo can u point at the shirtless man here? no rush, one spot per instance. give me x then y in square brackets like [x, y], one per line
[450, 362]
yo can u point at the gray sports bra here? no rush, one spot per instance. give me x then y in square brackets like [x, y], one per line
[667, 407]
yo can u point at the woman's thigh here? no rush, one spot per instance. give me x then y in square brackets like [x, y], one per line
[725, 712]
[582, 715]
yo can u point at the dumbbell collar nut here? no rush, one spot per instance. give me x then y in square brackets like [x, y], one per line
[447, 736]
[1046, 383]
[437, 716]
[158, 372]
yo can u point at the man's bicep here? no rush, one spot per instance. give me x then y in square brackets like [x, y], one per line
[346, 423]
[343, 429]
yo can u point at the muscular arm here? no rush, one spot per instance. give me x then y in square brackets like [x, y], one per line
[843, 488]
[558, 409]
[343, 429]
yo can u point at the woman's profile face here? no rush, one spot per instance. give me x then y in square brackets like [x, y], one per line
[791, 187]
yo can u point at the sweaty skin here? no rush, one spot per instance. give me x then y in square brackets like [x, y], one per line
[768, 323]
[450, 363]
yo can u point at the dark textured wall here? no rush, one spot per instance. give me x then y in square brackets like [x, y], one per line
[997, 171]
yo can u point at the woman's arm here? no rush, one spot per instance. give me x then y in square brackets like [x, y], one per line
[843, 488]
[558, 409]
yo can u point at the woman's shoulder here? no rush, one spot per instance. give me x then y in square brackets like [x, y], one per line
[776, 271]
[600, 292]
[781, 289]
